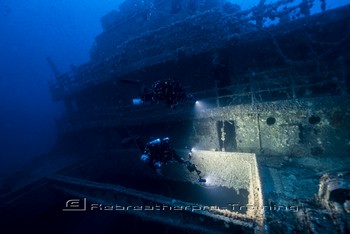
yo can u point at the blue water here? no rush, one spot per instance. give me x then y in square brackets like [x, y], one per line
[30, 31]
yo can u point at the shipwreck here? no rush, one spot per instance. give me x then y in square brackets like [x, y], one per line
[269, 130]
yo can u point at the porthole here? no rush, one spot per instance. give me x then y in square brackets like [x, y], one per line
[314, 119]
[270, 121]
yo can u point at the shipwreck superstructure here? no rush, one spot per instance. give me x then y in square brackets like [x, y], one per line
[233, 61]
[270, 128]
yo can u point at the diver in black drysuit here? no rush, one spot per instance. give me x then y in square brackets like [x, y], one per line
[170, 91]
[159, 152]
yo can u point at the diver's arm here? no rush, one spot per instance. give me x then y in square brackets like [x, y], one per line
[178, 158]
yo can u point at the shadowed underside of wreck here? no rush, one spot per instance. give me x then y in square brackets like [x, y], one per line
[270, 127]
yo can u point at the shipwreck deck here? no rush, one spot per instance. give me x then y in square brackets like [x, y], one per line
[209, 32]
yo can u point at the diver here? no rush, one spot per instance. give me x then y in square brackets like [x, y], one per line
[159, 152]
[169, 91]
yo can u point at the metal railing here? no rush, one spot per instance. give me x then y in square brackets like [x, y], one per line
[221, 28]
[242, 94]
